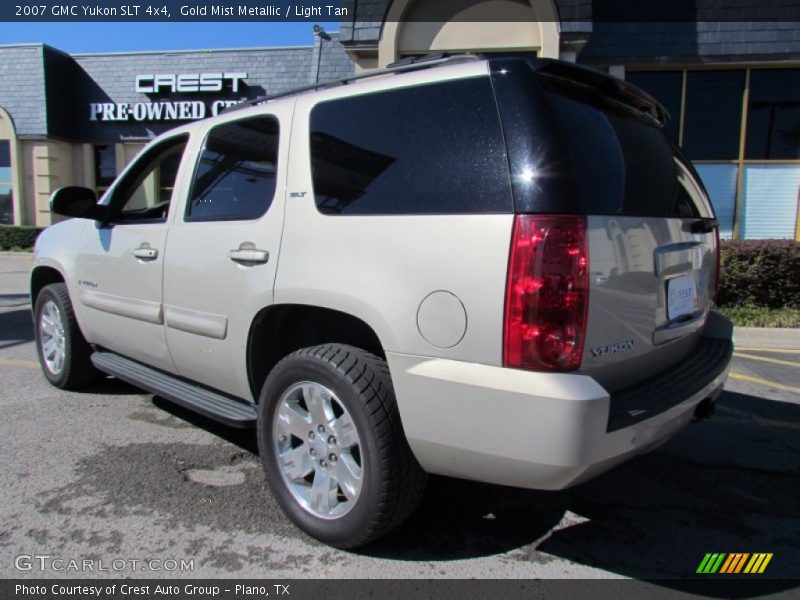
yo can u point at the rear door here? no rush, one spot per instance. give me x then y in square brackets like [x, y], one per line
[598, 149]
[223, 248]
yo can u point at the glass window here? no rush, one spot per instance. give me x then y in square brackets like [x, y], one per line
[771, 195]
[105, 166]
[720, 181]
[712, 122]
[773, 118]
[617, 163]
[664, 86]
[431, 149]
[235, 176]
[145, 192]
[6, 194]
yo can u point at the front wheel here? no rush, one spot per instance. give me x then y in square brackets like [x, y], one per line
[63, 352]
[333, 448]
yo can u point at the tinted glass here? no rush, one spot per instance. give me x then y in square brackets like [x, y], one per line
[616, 163]
[6, 205]
[713, 114]
[428, 149]
[664, 86]
[773, 118]
[235, 176]
[6, 195]
[105, 165]
[5, 153]
[146, 191]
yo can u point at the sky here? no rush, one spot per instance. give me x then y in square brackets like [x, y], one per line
[121, 37]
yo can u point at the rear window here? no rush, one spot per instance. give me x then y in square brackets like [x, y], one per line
[573, 149]
[431, 149]
[620, 163]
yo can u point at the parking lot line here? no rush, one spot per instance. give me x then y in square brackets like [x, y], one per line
[772, 384]
[16, 362]
[774, 361]
[775, 350]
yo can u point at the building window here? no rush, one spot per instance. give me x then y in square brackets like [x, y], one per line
[667, 88]
[6, 193]
[773, 117]
[720, 181]
[770, 201]
[713, 117]
[105, 166]
[753, 181]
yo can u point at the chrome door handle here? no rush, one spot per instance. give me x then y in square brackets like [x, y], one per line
[145, 252]
[248, 253]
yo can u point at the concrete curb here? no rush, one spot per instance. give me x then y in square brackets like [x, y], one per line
[10, 253]
[767, 337]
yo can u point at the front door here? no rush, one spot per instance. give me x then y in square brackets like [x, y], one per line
[223, 249]
[120, 264]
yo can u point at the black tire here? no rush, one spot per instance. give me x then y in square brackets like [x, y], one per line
[77, 368]
[392, 480]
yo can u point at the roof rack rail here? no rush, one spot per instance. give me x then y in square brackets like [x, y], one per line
[412, 63]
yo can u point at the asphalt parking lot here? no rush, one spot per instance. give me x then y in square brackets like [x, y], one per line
[115, 473]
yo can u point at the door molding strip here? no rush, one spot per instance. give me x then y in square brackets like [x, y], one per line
[133, 308]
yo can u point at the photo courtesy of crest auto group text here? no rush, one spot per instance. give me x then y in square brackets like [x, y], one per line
[374, 298]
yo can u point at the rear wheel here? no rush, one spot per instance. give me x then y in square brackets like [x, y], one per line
[332, 446]
[63, 352]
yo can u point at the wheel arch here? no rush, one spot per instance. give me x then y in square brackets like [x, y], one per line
[279, 330]
[41, 276]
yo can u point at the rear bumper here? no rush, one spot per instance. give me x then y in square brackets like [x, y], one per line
[526, 429]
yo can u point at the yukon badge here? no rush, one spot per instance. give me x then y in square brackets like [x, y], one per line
[612, 348]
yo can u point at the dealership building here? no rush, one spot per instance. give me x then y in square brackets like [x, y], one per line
[732, 89]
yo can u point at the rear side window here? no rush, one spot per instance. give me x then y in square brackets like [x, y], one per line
[432, 149]
[235, 176]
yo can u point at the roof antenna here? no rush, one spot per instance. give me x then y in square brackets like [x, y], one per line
[321, 33]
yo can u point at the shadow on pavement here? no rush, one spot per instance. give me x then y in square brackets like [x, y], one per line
[243, 438]
[16, 327]
[725, 485]
[111, 386]
[14, 300]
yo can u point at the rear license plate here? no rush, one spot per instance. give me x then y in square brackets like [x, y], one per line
[681, 296]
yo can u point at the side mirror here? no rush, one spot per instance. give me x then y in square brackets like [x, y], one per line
[74, 201]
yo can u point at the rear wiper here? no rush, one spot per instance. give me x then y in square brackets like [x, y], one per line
[704, 226]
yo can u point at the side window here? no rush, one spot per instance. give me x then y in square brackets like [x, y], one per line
[145, 193]
[235, 176]
[431, 149]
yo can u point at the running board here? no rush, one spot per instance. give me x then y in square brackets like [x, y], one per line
[214, 405]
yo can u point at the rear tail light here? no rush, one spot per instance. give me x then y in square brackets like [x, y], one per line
[547, 293]
[716, 279]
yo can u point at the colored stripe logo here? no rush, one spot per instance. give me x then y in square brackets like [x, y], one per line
[734, 563]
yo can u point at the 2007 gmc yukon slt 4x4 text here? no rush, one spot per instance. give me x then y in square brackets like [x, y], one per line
[496, 269]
